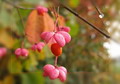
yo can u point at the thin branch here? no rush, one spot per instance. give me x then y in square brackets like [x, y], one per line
[17, 5]
[20, 17]
[101, 15]
[22, 43]
[56, 59]
[70, 10]
[80, 17]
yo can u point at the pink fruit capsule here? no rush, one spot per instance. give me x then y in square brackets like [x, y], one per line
[47, 36]
[66, 36]
[18, 52]
[54, 74]
[62, 75]
[41, 44]
[47, 68]
[3, 51]
[34, 47]
[24, 52]
[21, 52]
[66, 29]
[41, 10]
[63, 69]
[60, 39]
[45, 74]
[38, 46]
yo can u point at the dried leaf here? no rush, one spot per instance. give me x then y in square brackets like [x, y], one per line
[36, 24]
[5, 39]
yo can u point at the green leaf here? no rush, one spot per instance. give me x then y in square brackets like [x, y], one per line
[47, 51]
[74, 3]
[4, 17]
[32, 78]
[14, 65]
[74, 27]
[30, 63]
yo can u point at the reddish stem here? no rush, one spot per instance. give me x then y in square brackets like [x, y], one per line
[22, 44]
[55, 23]
[56, 59]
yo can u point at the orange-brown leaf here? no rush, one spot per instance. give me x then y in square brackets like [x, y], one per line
[36, 24]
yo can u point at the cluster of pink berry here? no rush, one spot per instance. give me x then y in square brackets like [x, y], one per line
[22, 52]
[55, 72]
[61, 36]
[3, 52]
[57, 39]
[38, 47]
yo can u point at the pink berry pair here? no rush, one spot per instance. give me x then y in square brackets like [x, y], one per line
[21, 52]
[61, 36]
[24, 52]
[55, 72]
[38, 46]
[3, 51]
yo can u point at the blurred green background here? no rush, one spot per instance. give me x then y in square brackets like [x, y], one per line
[85, 57]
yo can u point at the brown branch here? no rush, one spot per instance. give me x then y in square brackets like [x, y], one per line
[80, 17]
[73, 12]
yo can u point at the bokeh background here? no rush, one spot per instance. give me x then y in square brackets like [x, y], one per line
[90, 58]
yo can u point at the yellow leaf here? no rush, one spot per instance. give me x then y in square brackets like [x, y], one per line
[6, 39]
[8, 80]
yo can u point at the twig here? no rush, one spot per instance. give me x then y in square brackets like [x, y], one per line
[16, 5]
[56, 59]
[20, 17]
[93, 26]
[96, 7]
[75, 13]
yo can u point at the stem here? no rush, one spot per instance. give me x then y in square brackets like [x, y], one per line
[98, 11]
[56, 15]
[20, 17]
[76, 14]
[56, 59]
[22, 44]
[80, 17]
[96, 7]
[16, 5]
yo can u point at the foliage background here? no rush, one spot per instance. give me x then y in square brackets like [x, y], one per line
[85, 57]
